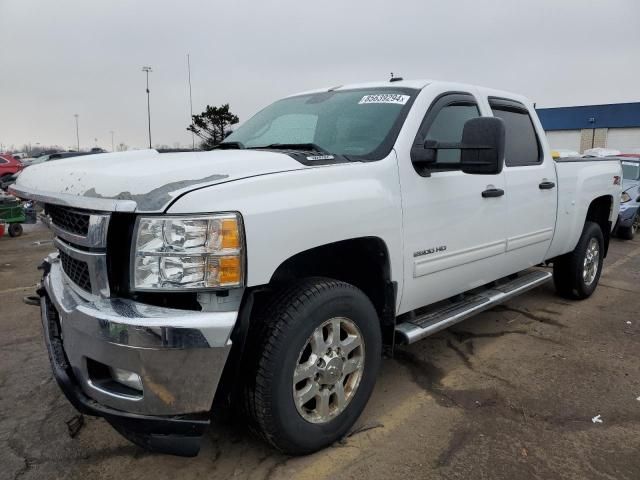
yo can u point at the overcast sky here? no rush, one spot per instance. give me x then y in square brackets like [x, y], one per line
[63, 57]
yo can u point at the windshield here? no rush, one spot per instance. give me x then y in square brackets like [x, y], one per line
[631, 170]
[362, 122]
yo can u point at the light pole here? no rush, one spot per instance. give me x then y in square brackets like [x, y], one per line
[193, 138]
[77, 133]
[147, 70]
[111, 132]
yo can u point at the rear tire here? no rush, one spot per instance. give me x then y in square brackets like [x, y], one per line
[576, 274]
[628, 233]
[15, 230]
[327, 334]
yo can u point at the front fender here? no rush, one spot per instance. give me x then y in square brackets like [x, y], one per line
[291, 212]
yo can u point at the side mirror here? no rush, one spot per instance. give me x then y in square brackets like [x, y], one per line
[425, 154]
[483, 141]
[481, 149]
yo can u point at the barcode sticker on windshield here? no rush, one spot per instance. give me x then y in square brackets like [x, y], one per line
[384, 98]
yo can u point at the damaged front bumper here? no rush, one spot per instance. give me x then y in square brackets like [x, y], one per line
[177, 356]
[627, 215]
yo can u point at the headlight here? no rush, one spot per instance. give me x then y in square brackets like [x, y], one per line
[625, 197]
[181, 252]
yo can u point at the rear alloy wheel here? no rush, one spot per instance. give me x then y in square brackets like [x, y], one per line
[576, 274]
[315, 362]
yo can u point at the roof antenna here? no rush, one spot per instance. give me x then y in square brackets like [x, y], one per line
[395, 79]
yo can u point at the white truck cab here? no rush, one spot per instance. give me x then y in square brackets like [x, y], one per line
[272, 271]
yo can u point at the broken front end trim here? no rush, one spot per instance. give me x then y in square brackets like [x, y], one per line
[177, 356]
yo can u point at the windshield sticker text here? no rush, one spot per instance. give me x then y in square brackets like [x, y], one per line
[320, 157]
[384, 98]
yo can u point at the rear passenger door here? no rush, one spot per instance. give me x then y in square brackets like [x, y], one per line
[530, 184]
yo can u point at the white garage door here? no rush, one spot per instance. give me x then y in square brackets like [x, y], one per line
[565, 139]
[624, 139]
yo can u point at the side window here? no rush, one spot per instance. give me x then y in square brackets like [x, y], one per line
[447, 127]
[522, 146]
[3, 161]
[444, 123]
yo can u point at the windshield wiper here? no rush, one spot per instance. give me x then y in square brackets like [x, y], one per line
[229, 146]
[296, 146]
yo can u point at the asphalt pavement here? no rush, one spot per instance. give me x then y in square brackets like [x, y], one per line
[539, 388]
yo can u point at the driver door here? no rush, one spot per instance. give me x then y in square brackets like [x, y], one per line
[454, 236]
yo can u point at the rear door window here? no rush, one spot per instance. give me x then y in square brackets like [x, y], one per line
[521, 143]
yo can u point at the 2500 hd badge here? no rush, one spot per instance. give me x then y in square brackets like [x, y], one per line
[429, 251]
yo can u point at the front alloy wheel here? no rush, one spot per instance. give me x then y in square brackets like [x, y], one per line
[329, 370]
[315, 362]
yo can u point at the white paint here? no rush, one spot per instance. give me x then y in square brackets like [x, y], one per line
[288, 207]
[128, 174]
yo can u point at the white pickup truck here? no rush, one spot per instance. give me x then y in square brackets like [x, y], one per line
[272, 272]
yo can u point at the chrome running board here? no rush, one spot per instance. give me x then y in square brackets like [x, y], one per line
[439, 317]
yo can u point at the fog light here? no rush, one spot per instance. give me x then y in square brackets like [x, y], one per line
[126, 378]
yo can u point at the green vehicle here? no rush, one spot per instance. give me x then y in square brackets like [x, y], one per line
[12, 212]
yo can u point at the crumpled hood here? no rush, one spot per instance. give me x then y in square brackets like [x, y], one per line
[146, 177]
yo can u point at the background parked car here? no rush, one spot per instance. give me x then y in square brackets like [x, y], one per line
[8, 180]
[55, 156]
[629, 217]
[9, 165]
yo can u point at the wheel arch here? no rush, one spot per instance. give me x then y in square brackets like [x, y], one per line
[599, 211]
[363, 262]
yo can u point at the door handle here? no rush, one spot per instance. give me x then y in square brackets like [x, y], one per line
[492, 192]
[546, 185]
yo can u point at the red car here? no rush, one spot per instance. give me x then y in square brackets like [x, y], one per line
[9, 165]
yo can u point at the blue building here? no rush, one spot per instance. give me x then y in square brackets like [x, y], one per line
[614, 125]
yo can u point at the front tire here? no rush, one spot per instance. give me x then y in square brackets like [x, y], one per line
[317, 357]
[576, 274]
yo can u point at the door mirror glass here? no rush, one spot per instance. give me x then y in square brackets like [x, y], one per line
[483, 141]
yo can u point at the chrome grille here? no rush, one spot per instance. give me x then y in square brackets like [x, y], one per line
[68, 219]
[76, 270]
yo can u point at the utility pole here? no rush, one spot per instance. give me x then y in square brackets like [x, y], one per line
[147, 70]
[193, 138]
[77, 133]
[111, 132]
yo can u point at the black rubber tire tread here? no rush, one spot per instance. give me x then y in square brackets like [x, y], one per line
[275, 318]
[567, 269]
[15, 229]
[626, 233]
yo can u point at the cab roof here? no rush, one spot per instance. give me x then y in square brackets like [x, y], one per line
[419, 85]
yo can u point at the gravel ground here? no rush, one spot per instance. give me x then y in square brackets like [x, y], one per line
[509, 394]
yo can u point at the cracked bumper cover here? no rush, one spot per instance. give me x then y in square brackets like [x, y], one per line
[179, 356]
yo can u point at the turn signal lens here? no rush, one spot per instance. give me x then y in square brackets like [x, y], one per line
[230, 271]
[230, 234]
